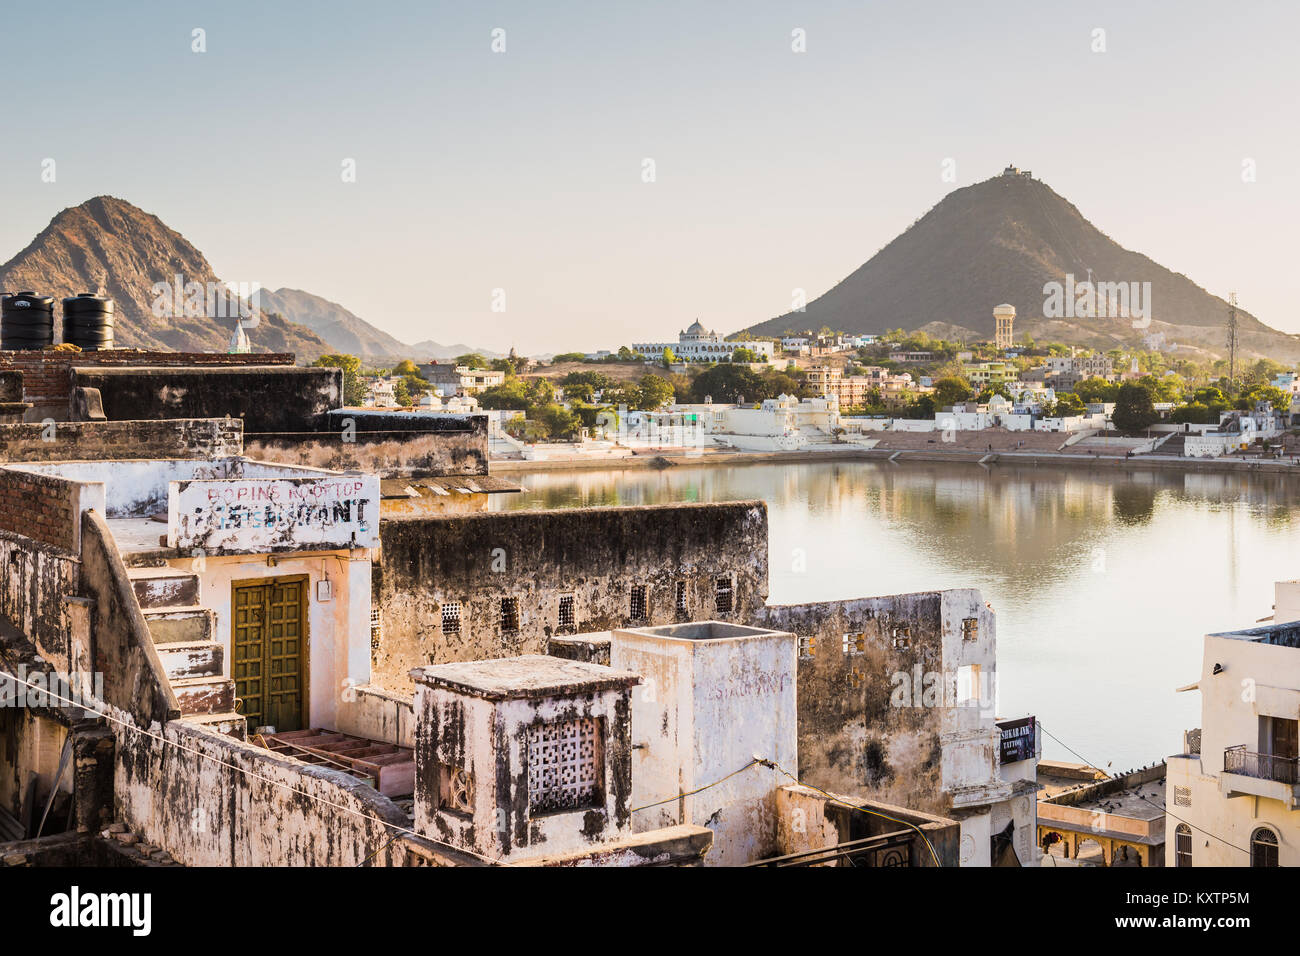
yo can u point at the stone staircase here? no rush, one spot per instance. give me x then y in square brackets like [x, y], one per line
[184, 635]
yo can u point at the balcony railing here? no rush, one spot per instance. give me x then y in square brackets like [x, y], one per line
[1261, 766]
[1192, 741]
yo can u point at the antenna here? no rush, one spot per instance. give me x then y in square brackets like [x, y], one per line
[1232, 337]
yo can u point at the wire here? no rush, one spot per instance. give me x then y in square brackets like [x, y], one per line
[853, 806]
[1111, 776]
[275, 783]
[691, 793]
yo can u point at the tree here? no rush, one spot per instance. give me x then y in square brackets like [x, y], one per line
[669, 359]
[558, 421]
[354, 390]
[656, 392]
[569, 357]
[1134, 409]
[401, 394]
[472, 360]
[1096, 390]
[406, 367]
[951, 391]
[625, 354]
[726, 383]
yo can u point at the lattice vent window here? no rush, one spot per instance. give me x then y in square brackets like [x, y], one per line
[902, 637]
[1182, 796]
[970, 629]
[854, 644]
[451, 617]
[568, 622]
[456, 789]
[807, 645]
[638, 609]
[376, 627]
[724, 591]
[509, 615]
[565, 765]
[680, 604]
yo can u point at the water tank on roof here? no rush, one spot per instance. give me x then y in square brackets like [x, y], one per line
[26, 321]
[88, 321]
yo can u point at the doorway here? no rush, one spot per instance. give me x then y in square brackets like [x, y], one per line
[269, 651]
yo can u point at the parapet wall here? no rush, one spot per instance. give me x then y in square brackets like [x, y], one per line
[594, 558]
[111, 441]
[269, 398]
[47, 381]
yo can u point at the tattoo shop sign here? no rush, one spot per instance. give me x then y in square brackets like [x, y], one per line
[256, 515]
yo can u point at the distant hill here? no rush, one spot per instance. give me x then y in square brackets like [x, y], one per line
[343, 331]
[111, 247]
[1002, 240]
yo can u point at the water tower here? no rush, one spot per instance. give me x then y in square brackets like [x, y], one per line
[1003, 318]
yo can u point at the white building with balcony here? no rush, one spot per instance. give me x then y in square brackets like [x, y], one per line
[1233, 795]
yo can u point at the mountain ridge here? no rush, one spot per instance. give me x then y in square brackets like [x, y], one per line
[1002, 240]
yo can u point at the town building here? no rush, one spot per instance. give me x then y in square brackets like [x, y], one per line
[1233, 789]
[450, 379]
[1114, 821]
[698, 344]
[303, 650]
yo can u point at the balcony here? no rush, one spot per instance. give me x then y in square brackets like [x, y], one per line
[1260, 775]
[1261, 766]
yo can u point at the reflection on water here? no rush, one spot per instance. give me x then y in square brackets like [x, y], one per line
[1104, 583]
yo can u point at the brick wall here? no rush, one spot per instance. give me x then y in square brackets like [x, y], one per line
[46, 379]
[43, 507]
[110, 441]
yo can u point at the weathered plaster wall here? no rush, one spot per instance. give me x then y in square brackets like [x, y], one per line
[99, 441]
[399, 456]
[706, 707]
[270, 398]
[595, 554]
[30, 744]
[34, 577]
[878, 679]
[122, 646]
[210, 800]
[488, 739]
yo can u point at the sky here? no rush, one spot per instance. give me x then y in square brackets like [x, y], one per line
[501, 199]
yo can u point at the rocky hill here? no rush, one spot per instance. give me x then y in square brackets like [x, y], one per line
[1003, 240]
[108, 246]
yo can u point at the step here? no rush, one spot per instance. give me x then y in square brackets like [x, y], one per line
[182, 659]
[226, 722]
[204, 695]
[174, 625]
[164, 587]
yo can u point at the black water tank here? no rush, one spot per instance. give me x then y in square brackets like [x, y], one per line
[88, 321]
[26, 321]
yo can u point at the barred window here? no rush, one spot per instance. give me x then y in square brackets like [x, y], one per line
[509, 615]
[970, 629]
[568, 619]
[639, 609]
[723, 591]
[854, 644]
[807, 645]
[451, 617]
[680, 604]
[1183, 845]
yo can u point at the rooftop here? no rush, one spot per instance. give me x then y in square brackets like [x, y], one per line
[1280, 635]
[520, 678]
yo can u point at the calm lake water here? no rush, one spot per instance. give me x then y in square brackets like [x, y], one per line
[1103, 583]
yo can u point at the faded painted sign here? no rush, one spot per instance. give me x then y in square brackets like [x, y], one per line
[253, 515]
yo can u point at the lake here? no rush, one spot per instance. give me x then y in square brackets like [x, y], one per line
[1103, 582]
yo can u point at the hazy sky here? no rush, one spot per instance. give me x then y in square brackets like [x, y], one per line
[523, 170]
